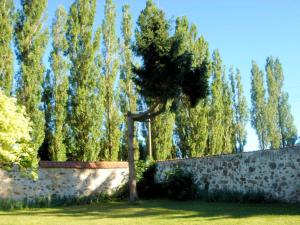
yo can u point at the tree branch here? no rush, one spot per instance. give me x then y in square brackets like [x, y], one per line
[136, 116]
[150, 113]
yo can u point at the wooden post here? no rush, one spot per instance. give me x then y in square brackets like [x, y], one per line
[149, 139]
[132, 181]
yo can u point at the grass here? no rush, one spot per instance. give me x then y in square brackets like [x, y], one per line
[156, 212]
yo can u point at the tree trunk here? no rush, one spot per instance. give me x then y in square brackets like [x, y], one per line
[131, 117]
[132, 181]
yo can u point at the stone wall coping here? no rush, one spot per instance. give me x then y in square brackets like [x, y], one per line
[84, 165]
[272, 152]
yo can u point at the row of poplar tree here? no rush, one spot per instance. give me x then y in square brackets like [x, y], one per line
[77, 107]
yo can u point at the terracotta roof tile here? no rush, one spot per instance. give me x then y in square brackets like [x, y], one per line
[83, 165]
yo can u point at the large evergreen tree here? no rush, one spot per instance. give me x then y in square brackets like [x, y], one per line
[240, 111]
[258, 108]
[60, 85]
[6, 54]
[164, 75]
[85, 104]
[31, 40]
[128, 93]
[112, 117]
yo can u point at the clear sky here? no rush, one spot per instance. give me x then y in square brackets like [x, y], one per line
[242, 30]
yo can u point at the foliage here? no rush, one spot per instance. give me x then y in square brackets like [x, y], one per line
[146, 186]
[271, 115]
[48, 102]
[85, 98]
[258, 109]
[179, 185]
[227, 121]
[78, 117]
[128, 92]
[192, 123]
[282, 118]
[31, 41]
[192, 128]
[240, 111]
[286, 122]
[60, 86]
[162, 128]
[272, 105]
[6, 53]
[216, 113]
[165, 72]
[15, 142]
[112, 119]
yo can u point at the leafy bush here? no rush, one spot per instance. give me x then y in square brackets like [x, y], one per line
[15, 142]
[179, 185]
[141, 167]
[146, 187]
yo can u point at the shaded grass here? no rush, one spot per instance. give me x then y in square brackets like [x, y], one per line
[157, 212]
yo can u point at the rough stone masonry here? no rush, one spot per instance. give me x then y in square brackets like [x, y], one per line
[62, 179]
[274, 172]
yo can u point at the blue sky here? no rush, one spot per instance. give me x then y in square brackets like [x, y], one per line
[242, 31]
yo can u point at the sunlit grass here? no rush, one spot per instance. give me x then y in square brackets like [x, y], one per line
[156, 212]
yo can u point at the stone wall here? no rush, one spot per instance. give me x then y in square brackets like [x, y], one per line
[72, 179]
[275, 172]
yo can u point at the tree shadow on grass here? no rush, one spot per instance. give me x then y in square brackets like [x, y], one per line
[165, 209]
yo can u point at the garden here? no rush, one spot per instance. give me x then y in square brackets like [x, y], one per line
[123, 123]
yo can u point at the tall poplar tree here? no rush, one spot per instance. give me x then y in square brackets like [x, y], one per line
[286, 124]
[112, 117]
[216, 128]
[259, 105]
[272, 105]
[227, 120]
[6, 54]
[31, 41]
[128, 93]
[85, 104]
[59, 66]
[162, 128]
[192, 123]
[240, 111]
[48, 103]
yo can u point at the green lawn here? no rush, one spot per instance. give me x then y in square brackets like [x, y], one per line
[156, 212]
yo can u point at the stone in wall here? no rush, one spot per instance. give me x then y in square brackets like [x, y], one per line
[274, 172]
